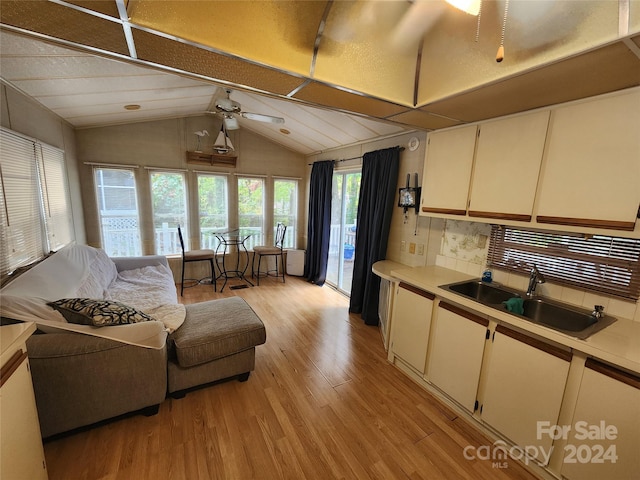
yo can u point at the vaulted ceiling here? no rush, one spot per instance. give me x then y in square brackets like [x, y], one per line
[420, 64]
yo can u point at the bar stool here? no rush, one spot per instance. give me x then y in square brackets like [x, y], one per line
[196, 256]
[273, 251]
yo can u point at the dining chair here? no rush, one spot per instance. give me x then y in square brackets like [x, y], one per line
[270, 251]
[196, 256]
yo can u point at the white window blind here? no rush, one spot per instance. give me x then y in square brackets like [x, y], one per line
[22, 228]
[57, 202]
[599, 263]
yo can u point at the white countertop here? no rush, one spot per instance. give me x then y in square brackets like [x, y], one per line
[618, 344]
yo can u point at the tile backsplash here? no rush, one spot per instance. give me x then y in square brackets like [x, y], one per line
[464, 247]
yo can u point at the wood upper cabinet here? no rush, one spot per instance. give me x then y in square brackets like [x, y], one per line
[608, 408]
[411, 324]
[591, 176]
[447, 171]
[456, 353]
[525, 383]
[507, 166]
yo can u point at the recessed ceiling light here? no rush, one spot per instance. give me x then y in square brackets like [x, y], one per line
[285, 131]
[132, 107]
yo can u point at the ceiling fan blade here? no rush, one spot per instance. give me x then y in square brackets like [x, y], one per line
[262, 118]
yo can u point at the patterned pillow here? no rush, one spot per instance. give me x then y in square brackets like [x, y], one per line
[99, 313]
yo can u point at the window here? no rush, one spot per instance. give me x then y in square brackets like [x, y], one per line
[213, 208]
[118, 211]
[600, 263]
[57, 202]
[35, 210]
[251, 209]
[169, 207]
[285, 208]
[23, 242]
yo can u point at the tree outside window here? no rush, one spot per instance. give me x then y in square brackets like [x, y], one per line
[169, 202]
[251, 209]
[285, 208]
[213, 208]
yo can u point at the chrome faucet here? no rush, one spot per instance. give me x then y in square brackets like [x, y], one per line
[598, 311]
[535, 277]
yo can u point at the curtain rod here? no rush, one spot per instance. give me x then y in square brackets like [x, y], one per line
[353, 158]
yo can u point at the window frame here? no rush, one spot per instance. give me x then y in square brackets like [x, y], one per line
[29, 230]
[171, 231]
[254, 239]
[207, 239]
[105, 246]
[291, 236]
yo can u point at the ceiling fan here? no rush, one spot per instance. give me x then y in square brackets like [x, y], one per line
[228, 108]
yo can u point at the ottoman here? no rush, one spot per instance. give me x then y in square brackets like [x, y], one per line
[217, 340]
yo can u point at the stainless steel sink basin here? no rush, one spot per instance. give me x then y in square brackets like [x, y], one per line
[574, 321]
[483, 292]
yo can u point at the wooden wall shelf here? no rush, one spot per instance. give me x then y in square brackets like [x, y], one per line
[212, 159]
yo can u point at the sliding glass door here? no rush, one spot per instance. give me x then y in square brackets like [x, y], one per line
[344, 210]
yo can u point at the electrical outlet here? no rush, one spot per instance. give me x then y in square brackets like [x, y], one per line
[421, 249]
[412, 247]
[403, 246]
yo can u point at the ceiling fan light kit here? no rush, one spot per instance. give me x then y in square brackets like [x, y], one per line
[228, 108]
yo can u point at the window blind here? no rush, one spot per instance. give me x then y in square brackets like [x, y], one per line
[57, 202]
[22, 228]
[599, 263]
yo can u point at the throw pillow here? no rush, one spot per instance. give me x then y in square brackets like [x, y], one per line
[99, 313]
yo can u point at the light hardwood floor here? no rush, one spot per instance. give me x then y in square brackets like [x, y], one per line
[322, 403]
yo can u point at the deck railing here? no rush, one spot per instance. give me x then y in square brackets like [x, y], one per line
[125, 241]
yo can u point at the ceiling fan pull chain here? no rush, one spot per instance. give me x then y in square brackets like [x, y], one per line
[500, 54]
[478, 25]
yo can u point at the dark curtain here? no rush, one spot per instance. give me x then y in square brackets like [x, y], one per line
[319, 228]
[377, 199]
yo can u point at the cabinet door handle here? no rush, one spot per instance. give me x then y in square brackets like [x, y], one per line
[11, 366]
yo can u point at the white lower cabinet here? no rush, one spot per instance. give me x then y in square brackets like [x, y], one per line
[604, 437]
[20, 440]
[525, 382]
[457, 347]
[411, 325]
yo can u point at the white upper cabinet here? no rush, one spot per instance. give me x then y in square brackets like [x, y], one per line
[591, 176]
[507, 166]
[447, 171]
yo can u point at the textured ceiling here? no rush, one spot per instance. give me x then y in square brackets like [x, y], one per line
[422, 64]
[91, 91]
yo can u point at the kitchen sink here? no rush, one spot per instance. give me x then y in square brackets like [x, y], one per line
[574, 321]
[483, 292]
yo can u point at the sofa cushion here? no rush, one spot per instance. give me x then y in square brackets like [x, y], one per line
[99, 313]
[215, 329]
